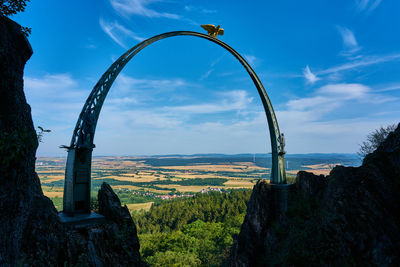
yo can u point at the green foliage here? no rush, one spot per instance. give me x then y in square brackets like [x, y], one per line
[191, 232]
[12, 7]
[211, 207]
[58, 203]
[126, 197]
[94, 204]
[174, 258]
[374, 139]
[204, 243]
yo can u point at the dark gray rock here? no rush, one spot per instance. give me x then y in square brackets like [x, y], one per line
[30, 231]
[24, 231]
[351, 217]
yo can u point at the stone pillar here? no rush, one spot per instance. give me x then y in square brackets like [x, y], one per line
[77, 185]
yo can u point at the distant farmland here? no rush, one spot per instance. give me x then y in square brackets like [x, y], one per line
[150, 179]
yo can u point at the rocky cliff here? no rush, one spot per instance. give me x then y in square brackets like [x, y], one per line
[349, 218]
[30, 231]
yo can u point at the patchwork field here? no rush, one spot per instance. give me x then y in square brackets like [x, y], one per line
[139, 206]
[140, 181]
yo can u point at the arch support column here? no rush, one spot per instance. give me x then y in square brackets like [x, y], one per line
[77, 185]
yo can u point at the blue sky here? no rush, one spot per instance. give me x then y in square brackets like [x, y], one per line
[331, 69]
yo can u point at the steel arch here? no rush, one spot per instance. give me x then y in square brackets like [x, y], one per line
[81, 146]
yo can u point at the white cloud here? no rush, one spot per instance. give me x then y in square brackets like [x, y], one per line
[49, 81]
[125, 83]
[349, 41]
[392, 87]
[206, 74]
[367, 5]
[54, 94]
[363, 62]
[122, 100]
[331, 97]
[251, 59]
[140, 8]
[118, 33]
[309, 76]
[232, 101]
[344, 91]
[211, 70]
[199, 9]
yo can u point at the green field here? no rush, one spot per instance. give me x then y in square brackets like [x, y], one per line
[158, 178]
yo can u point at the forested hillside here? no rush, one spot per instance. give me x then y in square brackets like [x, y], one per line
[193, 232]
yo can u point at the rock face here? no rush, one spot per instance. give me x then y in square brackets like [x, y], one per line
[351, 217]
[123, 246]
[30, 231]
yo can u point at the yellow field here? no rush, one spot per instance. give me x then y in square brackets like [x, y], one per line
[139, 206]
[324, 169]
[239, 183]
[53, 193]
[61, 172]
[53, 179]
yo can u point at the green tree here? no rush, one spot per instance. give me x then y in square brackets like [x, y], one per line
[12, 7]
[174, 258]
[374, 139]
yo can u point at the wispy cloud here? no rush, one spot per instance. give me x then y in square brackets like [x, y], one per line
[140, 8]
[232, 100]
[200, 9]
[211, 69]
[323, 116]
[118, 33]
[309, 76]
[367, 6]
[363, 62]
[350, 44]
[331, 96]
[125, 83]
[122, 100]
[49, 81]
[391, 87]
[206, 74]
[251, 59]
[54, 96]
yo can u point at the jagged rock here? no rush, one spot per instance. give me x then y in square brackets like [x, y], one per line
[351, 217]
[26, 215]
[120, 230]
[30, 231]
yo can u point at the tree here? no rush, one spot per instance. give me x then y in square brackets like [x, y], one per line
[12, 7]
[374, 139]
[41, 132]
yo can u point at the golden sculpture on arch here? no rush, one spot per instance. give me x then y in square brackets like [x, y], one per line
[212, 30]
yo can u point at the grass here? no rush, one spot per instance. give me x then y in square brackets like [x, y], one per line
[139, 206]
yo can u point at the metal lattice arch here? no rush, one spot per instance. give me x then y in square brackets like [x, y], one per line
[78, 169]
